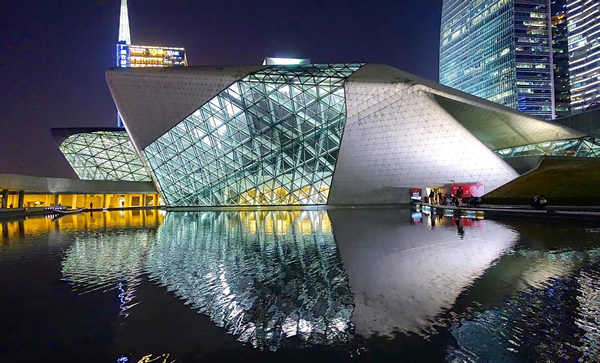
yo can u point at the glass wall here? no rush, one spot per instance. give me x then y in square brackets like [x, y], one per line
[271, 138]
[560, 57]
[586, 147]
[104, 155]
[499, 50]
[584, 54]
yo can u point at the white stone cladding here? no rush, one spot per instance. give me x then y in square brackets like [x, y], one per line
[397, 137]
[401, 131]
[152, 101]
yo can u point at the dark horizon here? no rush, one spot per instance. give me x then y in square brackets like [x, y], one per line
[54, 58]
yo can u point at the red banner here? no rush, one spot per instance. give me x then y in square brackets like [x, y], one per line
[468, 190]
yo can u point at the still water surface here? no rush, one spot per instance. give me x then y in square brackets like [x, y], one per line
[338, 285]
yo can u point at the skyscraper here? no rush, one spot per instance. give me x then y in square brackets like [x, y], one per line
[560, 58]
[499, 50]
[129, 55]
[584, 53]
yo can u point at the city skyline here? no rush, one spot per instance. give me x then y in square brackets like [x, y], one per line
[500, 51]
[584, 53]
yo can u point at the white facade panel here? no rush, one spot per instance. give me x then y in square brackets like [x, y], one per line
[152, 101]
[397, 137]
[401, 131]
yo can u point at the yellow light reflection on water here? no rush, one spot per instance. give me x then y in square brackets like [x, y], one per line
[32, 226]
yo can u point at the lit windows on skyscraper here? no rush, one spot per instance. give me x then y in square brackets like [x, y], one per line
[560, 57]
[584, 53]
[499, 50]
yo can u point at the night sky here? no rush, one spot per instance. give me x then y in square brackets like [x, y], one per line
[54, 53]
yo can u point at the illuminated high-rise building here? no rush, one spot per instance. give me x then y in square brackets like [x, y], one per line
[129, 55]
[499, 50]
[584, 53]
[560, 58]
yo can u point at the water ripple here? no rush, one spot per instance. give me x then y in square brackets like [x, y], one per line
[107, 262]
[260, 286]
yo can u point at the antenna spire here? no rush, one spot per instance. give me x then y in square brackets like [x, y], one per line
[124, 32]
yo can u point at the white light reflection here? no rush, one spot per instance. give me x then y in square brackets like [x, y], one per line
[264, 276]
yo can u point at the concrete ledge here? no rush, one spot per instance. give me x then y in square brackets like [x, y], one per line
[524, 210]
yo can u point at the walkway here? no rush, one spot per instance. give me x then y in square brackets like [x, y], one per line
[551, 210]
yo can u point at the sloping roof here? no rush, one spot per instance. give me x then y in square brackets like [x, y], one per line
[497, 126]
[153, 100]
[586, 122]
[60, 134]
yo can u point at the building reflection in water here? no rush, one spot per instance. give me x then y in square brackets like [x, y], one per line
[526, 306]
[266, 276]
[405, 269]
[104, 258]
[12, 230]
[263, 276]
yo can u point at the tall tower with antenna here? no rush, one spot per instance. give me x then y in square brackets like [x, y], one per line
[130, 55]
[123, 44]
[124, 32]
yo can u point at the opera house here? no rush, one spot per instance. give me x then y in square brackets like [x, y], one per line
[306, 134]
[321, 134]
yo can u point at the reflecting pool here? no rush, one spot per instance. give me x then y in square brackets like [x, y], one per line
[325, 285]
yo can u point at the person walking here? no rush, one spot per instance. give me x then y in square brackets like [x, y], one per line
[459, 194]
[431, 195]
[91, 205]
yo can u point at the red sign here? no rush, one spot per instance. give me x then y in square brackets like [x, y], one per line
[415, 194]
[468, 190]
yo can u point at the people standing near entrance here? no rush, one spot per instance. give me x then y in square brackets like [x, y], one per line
[440, 198]
[535, 202]
[459, 194]
[543, 202]
[431, 195]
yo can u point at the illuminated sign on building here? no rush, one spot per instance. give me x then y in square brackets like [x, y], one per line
[149, 56]
[122, 55]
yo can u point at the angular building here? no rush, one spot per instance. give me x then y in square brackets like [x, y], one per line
[100, 154]
[500, 51]
[314, 134]
[584, 53]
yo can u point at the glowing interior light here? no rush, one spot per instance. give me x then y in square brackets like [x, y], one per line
[285, 61]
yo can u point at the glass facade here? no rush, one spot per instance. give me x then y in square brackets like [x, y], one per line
[584, 53]
[585, 147]
[271, 138]
[560, 57]
[104, 155]
[499, 50]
